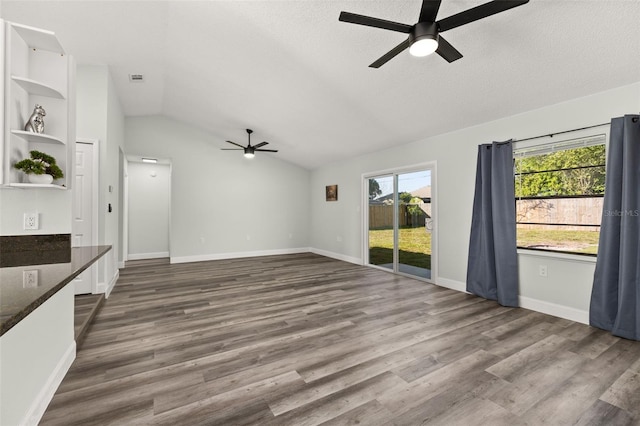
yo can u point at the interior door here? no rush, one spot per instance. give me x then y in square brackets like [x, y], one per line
[400, 222]
[83, 212]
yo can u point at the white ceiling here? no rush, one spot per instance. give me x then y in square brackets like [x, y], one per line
[300, 78]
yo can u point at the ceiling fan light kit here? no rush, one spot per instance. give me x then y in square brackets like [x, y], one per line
[424, 36]
[424, 39]
[249, 150]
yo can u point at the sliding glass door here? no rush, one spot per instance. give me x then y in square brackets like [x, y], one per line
[400, 222]
[381, 219]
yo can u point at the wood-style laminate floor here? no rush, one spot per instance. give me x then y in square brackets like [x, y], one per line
[306, 340]
[86, 307]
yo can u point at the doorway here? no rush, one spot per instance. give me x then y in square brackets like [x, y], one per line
[400, 221]
[148, 208]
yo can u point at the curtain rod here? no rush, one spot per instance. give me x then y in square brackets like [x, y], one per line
[550, 135]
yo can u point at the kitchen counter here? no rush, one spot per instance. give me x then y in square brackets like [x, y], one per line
[24, 288]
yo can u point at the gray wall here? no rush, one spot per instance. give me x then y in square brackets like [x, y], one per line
[149, 206]
[221, 203]
[568, 285]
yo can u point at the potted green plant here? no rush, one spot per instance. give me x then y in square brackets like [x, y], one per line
[40, 168]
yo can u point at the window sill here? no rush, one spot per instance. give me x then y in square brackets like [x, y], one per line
[558, 255]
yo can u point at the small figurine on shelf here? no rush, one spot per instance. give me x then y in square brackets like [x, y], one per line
[35, 124]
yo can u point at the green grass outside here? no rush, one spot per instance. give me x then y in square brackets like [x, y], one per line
[414, 247]
[574, 241]
[415, 244]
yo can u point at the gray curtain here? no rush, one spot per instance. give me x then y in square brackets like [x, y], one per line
[492, 270]
[615, 297]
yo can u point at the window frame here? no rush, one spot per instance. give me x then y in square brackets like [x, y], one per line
[565, 138]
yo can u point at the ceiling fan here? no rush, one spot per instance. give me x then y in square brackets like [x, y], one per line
[249, 150]
[424, 36]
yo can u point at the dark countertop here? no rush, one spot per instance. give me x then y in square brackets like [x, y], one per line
[18, 298]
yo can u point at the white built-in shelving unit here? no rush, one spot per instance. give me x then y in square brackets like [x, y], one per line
[36, 71]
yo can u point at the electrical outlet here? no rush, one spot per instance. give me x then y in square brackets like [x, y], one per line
[543, 270]
[30, 278]
[31, 221]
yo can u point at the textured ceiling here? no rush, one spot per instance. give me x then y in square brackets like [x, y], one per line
[300, 78]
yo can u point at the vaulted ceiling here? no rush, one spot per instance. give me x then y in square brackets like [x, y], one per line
[300, 78]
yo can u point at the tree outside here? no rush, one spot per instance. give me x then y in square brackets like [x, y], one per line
[548, 185]
[374, 189]
[543, 175]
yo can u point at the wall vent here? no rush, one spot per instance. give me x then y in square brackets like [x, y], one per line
[136, 78]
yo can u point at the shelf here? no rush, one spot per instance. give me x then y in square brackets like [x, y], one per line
[36, 185]
[39, 39]
[35, 70]
[37, 88]
[37, 137]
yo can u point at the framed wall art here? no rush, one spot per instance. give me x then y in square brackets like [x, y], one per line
[332, 192]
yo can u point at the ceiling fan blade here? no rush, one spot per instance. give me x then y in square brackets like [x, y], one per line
[232, 149]
[429, 10]
[236, 144]
[267, 150]
[390, 54]
[261, 144]
[478, 12]
[447, 51]
[374, 22]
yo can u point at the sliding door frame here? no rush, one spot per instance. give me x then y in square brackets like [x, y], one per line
[394, 172]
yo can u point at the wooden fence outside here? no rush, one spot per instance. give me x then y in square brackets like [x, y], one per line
[381, 216]
[581, 211]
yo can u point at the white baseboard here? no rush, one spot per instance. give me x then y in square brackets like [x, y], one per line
[542, 306]
[452, 284]
[236, 255]
[121, 265]
[39, 406]
[112, 284]
[337, 256]
[140, 256]
[106, 288]
[554, 309]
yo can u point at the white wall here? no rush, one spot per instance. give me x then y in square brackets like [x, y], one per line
[112, 179]
[221, 203]
[122, 173]
[100, 116]
[53, 206]
[568, 284]
[149, 198]
[34, 357]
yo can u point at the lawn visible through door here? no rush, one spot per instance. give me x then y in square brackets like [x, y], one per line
[400, 222]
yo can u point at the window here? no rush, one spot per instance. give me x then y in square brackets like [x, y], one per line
[559, 195]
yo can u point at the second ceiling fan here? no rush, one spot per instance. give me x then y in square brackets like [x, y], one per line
[424, 36]
[249, 150]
